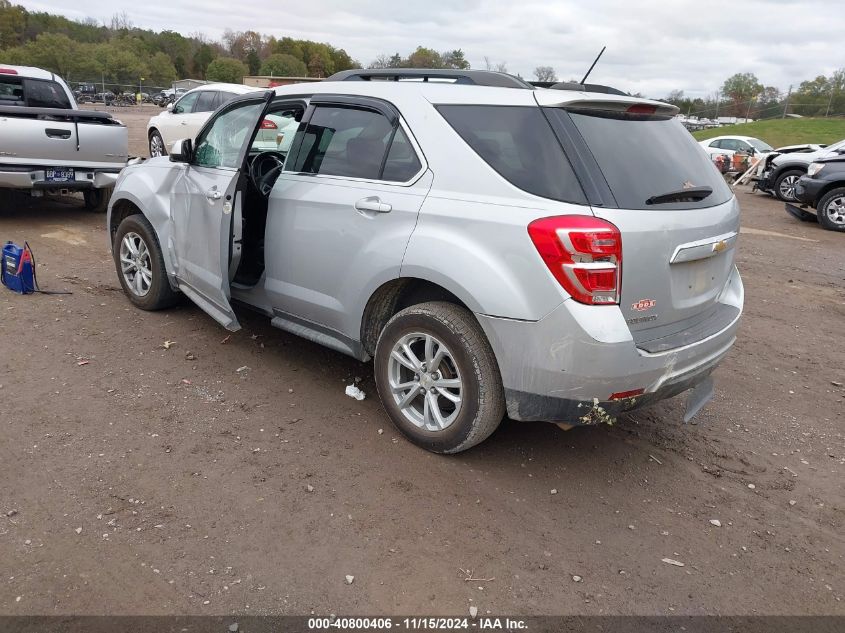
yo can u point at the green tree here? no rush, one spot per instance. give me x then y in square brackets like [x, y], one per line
[425, 58]
[12, 23]
[162, 72]
[740, 89]
[320, 64]
[455, 59]
[203, 57]
[253, 62]
[119, 65]
[283, 65]
[226, 69]
[289, 46]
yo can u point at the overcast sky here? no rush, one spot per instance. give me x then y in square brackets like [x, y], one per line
[653, 46]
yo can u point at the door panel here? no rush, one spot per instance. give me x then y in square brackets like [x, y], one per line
[324, 256]
[202, 204]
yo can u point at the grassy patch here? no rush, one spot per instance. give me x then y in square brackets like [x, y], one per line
[780, 132]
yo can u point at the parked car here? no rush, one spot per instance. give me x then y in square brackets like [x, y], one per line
[780, 173]
[456, 234]
[185, 117]
[729, 145]
[48, 145]
[823, 189]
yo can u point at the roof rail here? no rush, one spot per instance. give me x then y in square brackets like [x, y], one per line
[466, 77]
[571, 85]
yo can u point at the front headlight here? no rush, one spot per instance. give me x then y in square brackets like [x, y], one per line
[814, 168]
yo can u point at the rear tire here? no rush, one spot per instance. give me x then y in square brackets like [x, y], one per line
[157, 147]
[459, 364]
[785, 185]
[97, 200]
[140, 265]
[831, 210]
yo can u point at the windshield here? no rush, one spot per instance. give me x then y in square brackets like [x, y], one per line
[644, 157]
[760, 146]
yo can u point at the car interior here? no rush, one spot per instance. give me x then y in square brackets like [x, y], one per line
[263, 166]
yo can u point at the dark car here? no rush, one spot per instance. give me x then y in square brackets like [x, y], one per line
[823, 188]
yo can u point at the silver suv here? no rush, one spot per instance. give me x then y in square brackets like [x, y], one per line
[550, 254]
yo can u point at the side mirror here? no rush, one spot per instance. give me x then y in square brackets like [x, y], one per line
[182, 151]
[170, 107]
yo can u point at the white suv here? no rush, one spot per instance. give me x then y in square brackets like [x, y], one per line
[558, 255]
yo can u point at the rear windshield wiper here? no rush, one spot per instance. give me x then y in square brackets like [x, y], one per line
[693, 194]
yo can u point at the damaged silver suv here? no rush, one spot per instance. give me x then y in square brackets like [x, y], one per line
[547, 254]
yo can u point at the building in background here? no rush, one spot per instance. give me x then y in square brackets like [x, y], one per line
[188, 84]
[265, 81]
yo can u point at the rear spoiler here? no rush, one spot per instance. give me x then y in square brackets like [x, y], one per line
[60, 114]
[612, 102]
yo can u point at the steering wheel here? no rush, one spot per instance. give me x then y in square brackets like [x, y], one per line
[264, 170]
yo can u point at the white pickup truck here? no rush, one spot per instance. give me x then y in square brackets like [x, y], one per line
[49, 145]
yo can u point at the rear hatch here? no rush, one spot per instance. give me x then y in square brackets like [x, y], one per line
[678, 218]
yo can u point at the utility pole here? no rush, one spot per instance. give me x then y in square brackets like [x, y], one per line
[750, 103]
[829, 102]
[786, 104]
[717, 106]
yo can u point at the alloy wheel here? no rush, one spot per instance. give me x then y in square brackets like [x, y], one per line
[156, 146]
[835, 210]
[787, 187]
[425, 381]
[135, 264]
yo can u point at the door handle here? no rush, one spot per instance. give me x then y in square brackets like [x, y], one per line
[183, 123]
[213, 194]
[57, 133]
[373, 204]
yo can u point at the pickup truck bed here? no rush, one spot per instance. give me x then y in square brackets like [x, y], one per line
[58, 148]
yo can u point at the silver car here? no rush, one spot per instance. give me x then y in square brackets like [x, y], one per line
[545, 254]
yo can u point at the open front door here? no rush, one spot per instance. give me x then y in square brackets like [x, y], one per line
[202, 204]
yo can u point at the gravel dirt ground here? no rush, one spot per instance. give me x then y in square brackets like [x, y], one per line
[230, 474]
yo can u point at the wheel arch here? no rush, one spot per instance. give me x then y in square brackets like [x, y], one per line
[834, 184]
[395, 295]
[133, 196]
[780, 169]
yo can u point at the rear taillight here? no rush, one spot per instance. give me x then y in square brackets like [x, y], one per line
[8, 71]
[584, 254]
[267, 124]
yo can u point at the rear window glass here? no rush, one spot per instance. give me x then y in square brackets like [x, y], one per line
[45, 94]
[205, 102]
[11, 91]
[519, 144]
[644, 156]
[343, 141]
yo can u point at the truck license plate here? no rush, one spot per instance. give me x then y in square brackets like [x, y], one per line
[59, 174]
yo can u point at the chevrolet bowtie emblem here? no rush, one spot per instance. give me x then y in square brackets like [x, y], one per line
[718, 247]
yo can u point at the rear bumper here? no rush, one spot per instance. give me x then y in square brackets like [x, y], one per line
[565, 367]
[35, 178]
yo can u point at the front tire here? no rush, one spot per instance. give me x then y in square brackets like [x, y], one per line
[785, 185]
[140, 265]
[438, 378]
[157, 147]
[831, 210]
